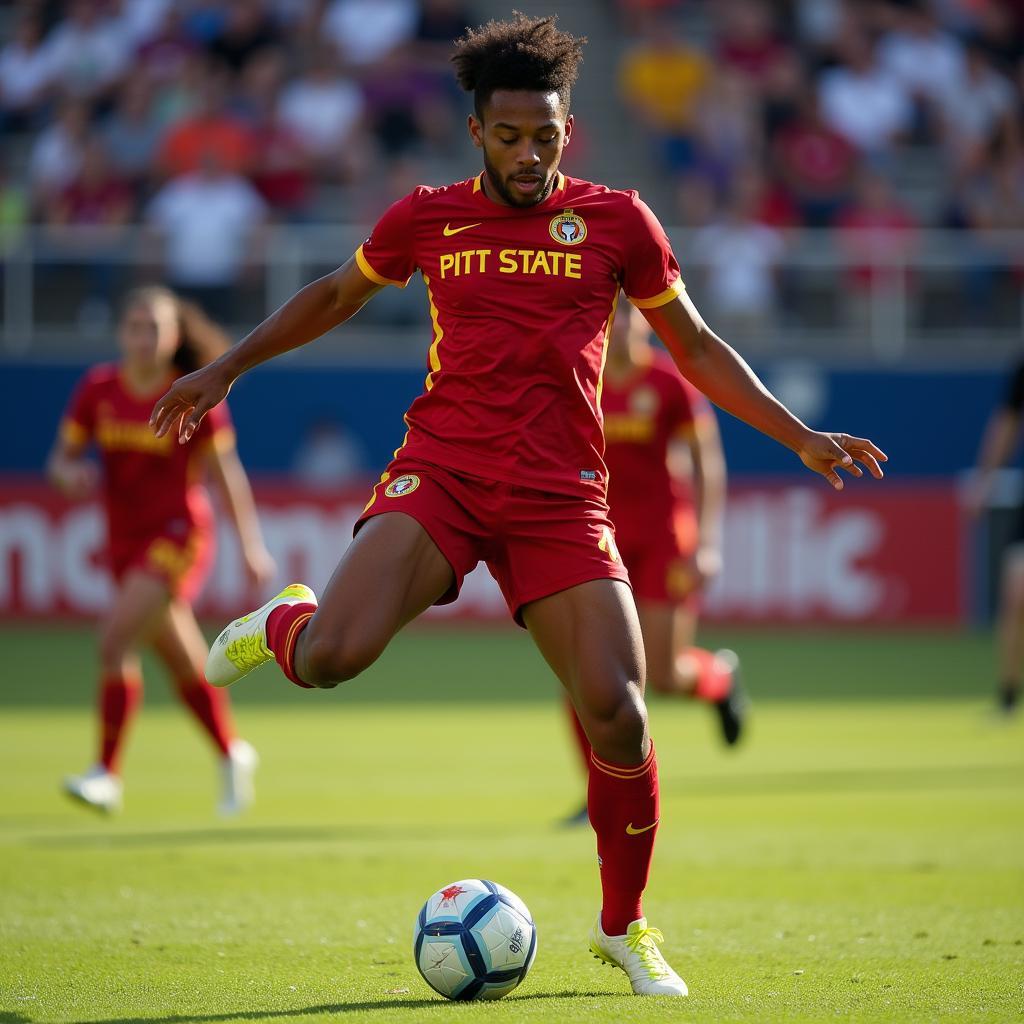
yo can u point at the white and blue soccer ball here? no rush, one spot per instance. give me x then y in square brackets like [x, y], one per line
[474, 939]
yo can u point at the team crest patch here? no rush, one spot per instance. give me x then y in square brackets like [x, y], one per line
[568, 228]
[402, 486]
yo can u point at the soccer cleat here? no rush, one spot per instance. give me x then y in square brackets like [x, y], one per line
[96, 788]
[237, 771]
[732, 708]
[576, 818]
[638, 955]
[242, 645]
[1008, 699]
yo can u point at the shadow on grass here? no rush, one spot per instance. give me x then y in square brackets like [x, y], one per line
[852, 780]
[383, 1005]
[231, 834]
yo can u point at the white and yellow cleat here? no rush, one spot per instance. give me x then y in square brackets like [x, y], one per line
[638, 955]
[242, 645]
[96, 788]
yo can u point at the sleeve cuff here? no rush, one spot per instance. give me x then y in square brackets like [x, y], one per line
[73, 433]
[675, 288]
[369, 272]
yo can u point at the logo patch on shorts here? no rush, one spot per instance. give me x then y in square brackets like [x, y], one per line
[402, 486]
[588, 474]
[607, 544]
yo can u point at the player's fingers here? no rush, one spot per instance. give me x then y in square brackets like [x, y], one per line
[853, 469]
[165, 412]
[870, 461]
[191, 420]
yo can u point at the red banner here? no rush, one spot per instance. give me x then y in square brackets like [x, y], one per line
[878, 554]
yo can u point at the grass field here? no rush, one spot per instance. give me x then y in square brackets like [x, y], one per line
[862, 857]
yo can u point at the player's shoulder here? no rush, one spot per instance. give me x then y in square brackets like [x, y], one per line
[429, 195]
[621, 200]
[102, 376]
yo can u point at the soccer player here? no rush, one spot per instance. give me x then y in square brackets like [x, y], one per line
[502, 458]
[666, 492]
[160, 532]
[1000, 439]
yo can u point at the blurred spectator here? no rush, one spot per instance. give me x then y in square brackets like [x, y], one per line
[56, 155]
[325, 110]
[878, 235]
[26, 72]
[14, 212]
[165, 54]
[747, 41]
[88, 51]
[661, 79]
[439, 22]
[247, 29]
[209, 221]
[816, 165]
[330, 456]
[364, 31]
[133, 131]
[209, 130]
[96, 198]
[139, 21]
[861, 100]
[696, 201]
[740, 255]
[729, 127]
[977, 109]
[281, 168]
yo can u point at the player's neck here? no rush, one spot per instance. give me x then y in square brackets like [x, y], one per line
[143, 381]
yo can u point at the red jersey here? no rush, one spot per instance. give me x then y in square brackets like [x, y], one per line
[642, 416]
[151, 484]
[521, 301]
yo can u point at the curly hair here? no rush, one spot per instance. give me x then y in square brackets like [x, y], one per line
[201, 340]
[524, 53]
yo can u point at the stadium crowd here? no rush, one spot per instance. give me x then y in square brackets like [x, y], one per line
[206, 119]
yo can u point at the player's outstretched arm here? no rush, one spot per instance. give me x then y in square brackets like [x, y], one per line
[724, 376]
[307, 315]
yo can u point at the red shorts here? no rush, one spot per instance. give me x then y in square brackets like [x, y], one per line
[658, 556]
[182, 562]
[534, 543]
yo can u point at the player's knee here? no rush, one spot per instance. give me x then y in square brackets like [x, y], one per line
[112, 651]
[619, 728]
[327, 661]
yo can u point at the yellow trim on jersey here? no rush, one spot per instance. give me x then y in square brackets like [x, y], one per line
[478, 182]
[604, 350]
[372, 274]
[560, 184]
[433, 358]
[73, 433]
[675, 288]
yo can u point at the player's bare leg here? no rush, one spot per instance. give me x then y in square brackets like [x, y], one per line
[675, 666]
[391, 572]
[181, 646]
[590, 636]
[138, 604]
[1011, 629]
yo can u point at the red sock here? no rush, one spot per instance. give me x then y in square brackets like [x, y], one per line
[713, 677]
[119, 700]
[623, 805]
[284, 625]
[211, 709]
[582, 743]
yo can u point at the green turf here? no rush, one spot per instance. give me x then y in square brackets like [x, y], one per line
[861, 858]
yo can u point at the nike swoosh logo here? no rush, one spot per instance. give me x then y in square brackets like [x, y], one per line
[630, 831]
[449, 230]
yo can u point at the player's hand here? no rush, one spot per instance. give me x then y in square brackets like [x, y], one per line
[77, 478]
[260, 566]
[827, 453]
[707, 564]
[191, 397]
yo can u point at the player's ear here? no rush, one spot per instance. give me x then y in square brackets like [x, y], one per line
[476, 131]
[568, 131]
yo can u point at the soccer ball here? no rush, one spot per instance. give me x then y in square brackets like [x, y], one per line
[474, 939]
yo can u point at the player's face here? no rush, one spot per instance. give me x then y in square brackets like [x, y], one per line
[149, 333]
[522, 136]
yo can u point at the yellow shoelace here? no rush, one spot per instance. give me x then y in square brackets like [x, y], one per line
[248, 652]
[643, 943]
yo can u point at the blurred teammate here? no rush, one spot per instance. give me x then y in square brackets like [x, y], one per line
[160, 531]
[999, 442]
[502, 459]
[666, 492]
